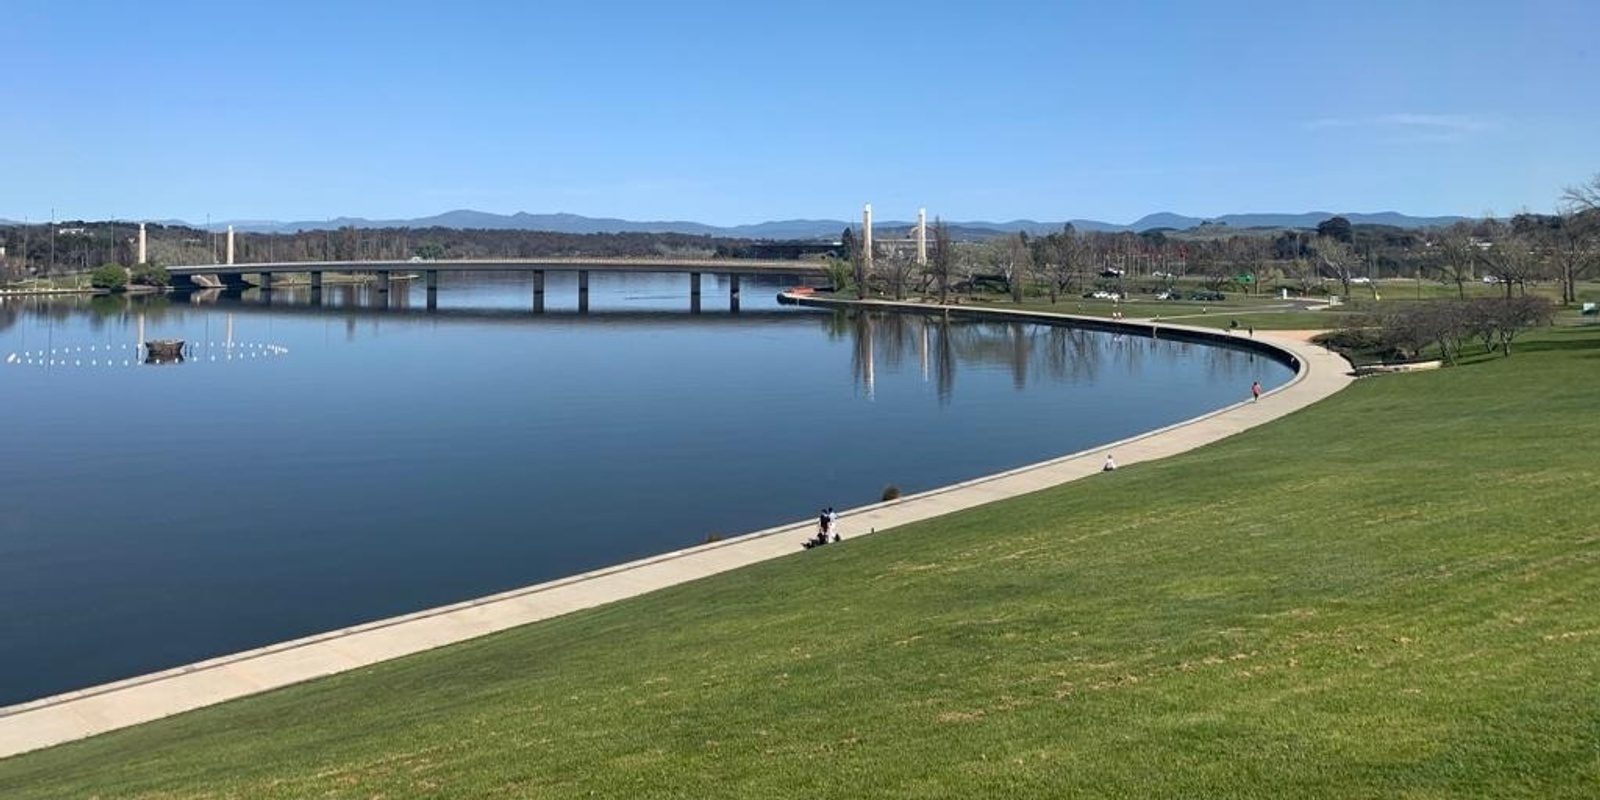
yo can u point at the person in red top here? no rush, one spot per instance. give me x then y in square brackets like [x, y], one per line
[1255, 390]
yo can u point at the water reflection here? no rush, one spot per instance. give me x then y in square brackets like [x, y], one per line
[1028, 352]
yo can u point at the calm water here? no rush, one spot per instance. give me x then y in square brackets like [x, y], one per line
[311, 468]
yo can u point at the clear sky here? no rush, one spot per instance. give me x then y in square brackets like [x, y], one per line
[739, 112]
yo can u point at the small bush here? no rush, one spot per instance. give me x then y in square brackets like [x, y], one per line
[150, 275]
[110, 276]
[891, 492]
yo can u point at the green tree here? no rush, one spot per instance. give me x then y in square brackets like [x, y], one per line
[1337, 228]
[150, 275]
[110, 276]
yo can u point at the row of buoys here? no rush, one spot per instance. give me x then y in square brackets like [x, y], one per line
[55, 356]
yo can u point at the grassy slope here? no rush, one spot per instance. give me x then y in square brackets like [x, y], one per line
[1391, 594]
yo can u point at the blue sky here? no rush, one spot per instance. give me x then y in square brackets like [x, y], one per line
[732, 113]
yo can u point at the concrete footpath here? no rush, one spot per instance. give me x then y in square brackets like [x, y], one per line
[80, 714]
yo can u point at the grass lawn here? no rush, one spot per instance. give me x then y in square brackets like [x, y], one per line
[1391, 594]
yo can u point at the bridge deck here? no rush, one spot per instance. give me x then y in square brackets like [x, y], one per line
[718, 266]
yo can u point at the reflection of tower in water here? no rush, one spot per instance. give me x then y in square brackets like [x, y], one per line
[944, 369]
[865, 369]
[922, 352]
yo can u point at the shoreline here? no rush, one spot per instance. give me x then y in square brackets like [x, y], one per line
[78, 714]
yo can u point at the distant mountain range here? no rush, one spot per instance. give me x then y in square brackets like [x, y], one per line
[810, 228]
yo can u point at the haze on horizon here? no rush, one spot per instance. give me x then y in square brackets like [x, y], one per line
[732, 113]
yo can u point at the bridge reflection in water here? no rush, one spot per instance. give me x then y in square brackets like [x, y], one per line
[942, 345]
[380, 276]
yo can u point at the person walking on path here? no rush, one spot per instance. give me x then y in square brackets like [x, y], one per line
[1255, 390]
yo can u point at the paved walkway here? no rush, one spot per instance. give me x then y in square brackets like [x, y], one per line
[77, 715]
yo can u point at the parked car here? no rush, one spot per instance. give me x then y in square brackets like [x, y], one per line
[1111, 272]
[1166, 294]
[1208, 296]
[1101, 294]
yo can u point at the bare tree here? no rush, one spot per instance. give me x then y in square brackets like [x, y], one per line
[943, 260]
[1009, 256]
[1512, 261]
[1248, 257]
[1302, 270]
[1583, 197]
[1572, 248]
[1453, 259]
[1337, 259]
[855, 250]
[896, 265]
[1497, 321]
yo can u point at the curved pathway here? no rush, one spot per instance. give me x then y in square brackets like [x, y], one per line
[76, 715]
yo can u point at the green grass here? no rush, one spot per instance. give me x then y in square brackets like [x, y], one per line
[1390, 594]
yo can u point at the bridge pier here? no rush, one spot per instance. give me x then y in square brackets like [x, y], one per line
[733, 292]
[583, 291]
[432, 278]
[266, 282]
[383, 281]
[538, 291]
[694, 292]
[316, 287]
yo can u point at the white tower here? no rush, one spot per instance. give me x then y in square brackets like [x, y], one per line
[922, 237]
[142, 259]
[866, 236]
[230, 244]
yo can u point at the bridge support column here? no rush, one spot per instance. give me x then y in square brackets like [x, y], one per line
[316, 287]
[694, 292]
[383, 281]
[538, 291]
[583, 290]
[733, 292]
[432, 278]
[266, 282]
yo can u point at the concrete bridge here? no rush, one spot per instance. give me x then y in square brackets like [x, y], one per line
[231, 276]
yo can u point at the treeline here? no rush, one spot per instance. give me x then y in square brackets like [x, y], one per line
[78, 246]
[1564, 248]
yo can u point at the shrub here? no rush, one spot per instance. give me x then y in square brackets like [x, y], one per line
[150, 275]
[891, 492]
[110, 276]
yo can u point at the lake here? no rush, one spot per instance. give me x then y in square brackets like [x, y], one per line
[308, 468]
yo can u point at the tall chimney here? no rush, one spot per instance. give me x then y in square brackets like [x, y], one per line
[922, 237]
[866, 236]
[230, 244]
[142, 259]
